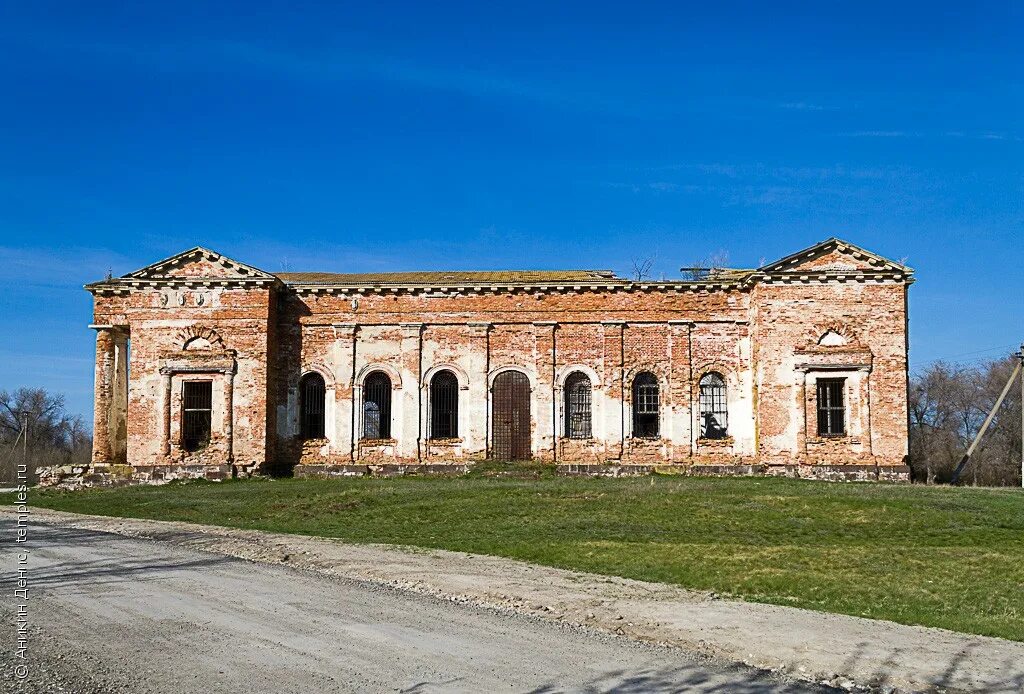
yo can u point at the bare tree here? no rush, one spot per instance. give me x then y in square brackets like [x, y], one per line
[642, 268]
[948, 404]
[55, 437]
[707, 265]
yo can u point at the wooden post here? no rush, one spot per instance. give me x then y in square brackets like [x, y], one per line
[988, 420]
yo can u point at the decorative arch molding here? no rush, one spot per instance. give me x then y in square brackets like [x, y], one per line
[494, 373]
[390, 371]
[460, 375]
[566, 371]
[658, 372]
[323, 371]
[728, 373]
[194, 334]
[834, 334]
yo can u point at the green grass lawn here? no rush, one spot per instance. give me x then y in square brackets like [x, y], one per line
[941, 557]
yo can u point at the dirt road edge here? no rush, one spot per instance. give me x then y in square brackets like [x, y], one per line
[839, 650]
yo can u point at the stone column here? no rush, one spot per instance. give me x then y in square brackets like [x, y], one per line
[478, 431]
[806, 393]
[110, 396]
[409, 429]
[229, 414]
[614, 335]
[545, 434]
[345, 415]
[165, 430]
[103, 386]
[119, 399]
[680, 397]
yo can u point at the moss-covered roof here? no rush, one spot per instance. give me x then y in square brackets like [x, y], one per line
[449, 278]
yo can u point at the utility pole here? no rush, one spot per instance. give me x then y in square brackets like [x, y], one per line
[24, 444]
[992, 415]
[1022, 415]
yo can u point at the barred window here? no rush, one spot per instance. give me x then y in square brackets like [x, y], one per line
[831, 407]
[377, 406]
[197, 411]
[714, 415]
[646, 406]
[312, 398]
[577, 406]
[444, 406]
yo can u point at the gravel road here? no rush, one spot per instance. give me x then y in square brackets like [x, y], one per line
[112, 613]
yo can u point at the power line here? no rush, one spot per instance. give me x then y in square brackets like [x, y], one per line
[964, 354]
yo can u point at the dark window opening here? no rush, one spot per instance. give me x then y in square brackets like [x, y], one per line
[377, 406]
[197, 411]
[714, 414]
[646, 406]
[831, 407]
[444, 406]
[578, 395]
[312, 401]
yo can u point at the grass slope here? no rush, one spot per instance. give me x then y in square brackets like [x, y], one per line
[943, 557]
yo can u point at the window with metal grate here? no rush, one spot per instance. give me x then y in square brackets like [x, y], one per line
[646, 406]
[444, 406]
[377, 406]
[312, 401]
[578, 396]
[831, 407]
[714, 414]
[197, 411]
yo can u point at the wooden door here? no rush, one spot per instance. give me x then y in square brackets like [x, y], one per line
[510, 417]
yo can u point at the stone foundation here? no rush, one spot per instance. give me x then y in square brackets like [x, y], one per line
[69, 477]
[831, 473]
[842, 473]
[380, 470]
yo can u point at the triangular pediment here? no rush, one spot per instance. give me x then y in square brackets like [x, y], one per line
[835, 255]
[199, 263]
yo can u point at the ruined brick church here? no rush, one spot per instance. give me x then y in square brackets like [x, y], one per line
[206, 366]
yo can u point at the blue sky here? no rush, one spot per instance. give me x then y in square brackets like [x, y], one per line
[380, 136]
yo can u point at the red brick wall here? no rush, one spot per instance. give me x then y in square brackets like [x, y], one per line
[760, 338]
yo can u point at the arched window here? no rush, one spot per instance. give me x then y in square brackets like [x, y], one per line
[577, 406]
[714, 414]
[312, 394]
[444, 406]
[646, 406]
[377, 406]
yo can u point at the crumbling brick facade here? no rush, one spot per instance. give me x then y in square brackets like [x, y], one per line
[209, 367]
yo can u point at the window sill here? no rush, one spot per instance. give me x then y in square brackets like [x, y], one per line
[444, 442]
[833, 440]
[378, 442]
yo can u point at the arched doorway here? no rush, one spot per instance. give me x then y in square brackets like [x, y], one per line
[510, 416]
